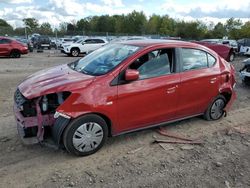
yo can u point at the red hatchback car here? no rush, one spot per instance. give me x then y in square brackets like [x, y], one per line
[12, 48]
[121, 88]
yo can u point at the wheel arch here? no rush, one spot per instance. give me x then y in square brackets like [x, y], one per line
[227, 95]
[107, 120]
[61, 124]
[15, 50]
[75, 47]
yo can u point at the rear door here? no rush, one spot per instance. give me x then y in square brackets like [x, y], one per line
[153, 98]
[97, 43]
[88, 46]
[199, 81]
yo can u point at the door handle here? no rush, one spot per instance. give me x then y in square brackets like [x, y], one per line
[213, 80]
[171, 89]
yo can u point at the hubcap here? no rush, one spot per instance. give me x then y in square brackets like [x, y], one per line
[87, 137]
[75, 53]
[217, 109]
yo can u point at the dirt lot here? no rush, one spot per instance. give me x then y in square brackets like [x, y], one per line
[129, 160]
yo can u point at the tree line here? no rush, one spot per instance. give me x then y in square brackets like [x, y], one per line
[134, 23]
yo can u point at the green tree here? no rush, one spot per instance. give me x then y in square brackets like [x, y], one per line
[168, 26]
[233, 28]
[62, 29]
[19, 31]
[46, 29]
[5, 28]
[119, 25]
[245, 30]
[83, 25]
[135, 23]
[31, 24]
[219, 31]
[190, 30]
[154, 24]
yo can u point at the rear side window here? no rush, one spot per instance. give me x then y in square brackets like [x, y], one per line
[89, 41]
[98, 41]
[193, 59]
[5, 41]
[211, 60]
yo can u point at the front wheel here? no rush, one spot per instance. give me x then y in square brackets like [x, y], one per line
[85, 135]
[15, 54]
[75, 52]
[216, 109]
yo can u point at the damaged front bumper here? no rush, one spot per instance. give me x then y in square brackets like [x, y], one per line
[33, 123]
[31, 129]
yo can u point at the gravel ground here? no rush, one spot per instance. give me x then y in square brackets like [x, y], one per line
[129, 160]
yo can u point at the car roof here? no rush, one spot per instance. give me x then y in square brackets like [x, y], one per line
[153, 42]
[2, 37]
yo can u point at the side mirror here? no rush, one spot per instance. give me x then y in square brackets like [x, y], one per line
[131, 75]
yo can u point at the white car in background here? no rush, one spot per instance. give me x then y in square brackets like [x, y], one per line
[84, 47]
[63, 41]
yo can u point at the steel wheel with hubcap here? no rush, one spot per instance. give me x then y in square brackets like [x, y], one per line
[216, 109]
[85, 135]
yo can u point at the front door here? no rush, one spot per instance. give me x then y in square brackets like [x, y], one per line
[152, 98]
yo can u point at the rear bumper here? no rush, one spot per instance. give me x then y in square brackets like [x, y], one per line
[229, 104]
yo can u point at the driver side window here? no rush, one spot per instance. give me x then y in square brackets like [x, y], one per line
[154, 64]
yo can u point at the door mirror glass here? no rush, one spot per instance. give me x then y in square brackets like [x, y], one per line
[131, 75]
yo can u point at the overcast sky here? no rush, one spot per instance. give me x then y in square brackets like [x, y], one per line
[56, 11]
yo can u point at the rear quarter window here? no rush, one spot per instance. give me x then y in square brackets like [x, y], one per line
[210, 60]
[193, 59]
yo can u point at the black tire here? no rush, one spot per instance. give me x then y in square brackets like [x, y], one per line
[75, 52]
[210, 112]
[15, 54]
[86, 140]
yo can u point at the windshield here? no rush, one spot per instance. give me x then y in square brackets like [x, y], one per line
[104, 59]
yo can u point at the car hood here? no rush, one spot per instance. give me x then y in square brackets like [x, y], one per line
[53, 80]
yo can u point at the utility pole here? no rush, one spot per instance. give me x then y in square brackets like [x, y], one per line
[25, 30]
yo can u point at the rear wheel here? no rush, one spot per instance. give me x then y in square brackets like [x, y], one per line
[85, 135]
[15, 54]
[216, 109]
[75, 52]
